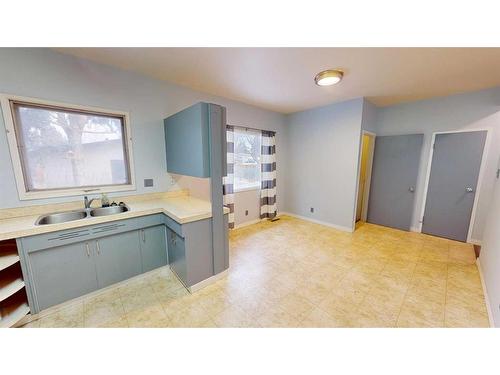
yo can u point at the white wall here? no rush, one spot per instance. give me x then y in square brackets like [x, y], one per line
[198, 187]
[323, 150]
[490, 256]
[47, 74]
[474, 110]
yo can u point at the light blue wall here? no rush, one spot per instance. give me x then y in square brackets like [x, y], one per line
[46, 74]
[325, 144]
[472, 110]
[323, 150]
[369, 120]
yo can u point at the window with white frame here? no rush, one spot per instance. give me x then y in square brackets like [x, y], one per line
[247, 151]
[60, 150]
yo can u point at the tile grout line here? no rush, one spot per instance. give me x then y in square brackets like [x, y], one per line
[123, 309]
[406, 293]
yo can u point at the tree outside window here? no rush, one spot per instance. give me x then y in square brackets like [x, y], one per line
[247, 155]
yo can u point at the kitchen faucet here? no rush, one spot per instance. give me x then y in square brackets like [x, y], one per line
[87, 202]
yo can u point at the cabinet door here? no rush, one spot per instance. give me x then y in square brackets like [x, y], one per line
[118, 257]
[153, 248]
[62, 273]
[177, 255]
[187, 141]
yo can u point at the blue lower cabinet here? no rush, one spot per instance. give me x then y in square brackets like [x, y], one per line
[177, 256]
[153, 247]
[62, 273]
[63, 265]
[191, 256]
[117, 258]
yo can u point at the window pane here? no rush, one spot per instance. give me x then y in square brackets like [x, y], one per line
[67, 149]
[246, 159]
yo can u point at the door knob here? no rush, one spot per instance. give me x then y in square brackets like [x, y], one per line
[411, 189]
[469, 190]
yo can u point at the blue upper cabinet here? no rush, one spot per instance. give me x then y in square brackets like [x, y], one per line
[187, 140]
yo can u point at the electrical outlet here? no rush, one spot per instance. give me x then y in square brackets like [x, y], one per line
[148, 182]
[172, 181]
[312, 210]
[246, 212]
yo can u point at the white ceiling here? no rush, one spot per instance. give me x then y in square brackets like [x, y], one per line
[281, 79]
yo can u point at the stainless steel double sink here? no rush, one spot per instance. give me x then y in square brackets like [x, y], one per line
[64, 217]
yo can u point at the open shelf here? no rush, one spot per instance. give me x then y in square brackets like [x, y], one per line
[9, 286]
[8, 254]
[13, 309]
[13, 298]
[14, 315]
[8, 259]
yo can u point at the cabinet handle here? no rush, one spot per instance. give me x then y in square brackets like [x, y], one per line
[143, 235]
[98, 247]
[88, 250]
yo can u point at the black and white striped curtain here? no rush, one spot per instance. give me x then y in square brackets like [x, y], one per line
[268, 208]
[228, 181]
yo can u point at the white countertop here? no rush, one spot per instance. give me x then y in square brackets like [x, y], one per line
[183, 209]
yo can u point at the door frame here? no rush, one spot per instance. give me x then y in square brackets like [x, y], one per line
[482, 168]
[366, 193]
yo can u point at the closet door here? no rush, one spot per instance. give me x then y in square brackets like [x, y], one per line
[396, 161]
[456, 161]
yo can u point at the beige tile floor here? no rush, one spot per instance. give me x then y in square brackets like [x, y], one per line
[293, 273]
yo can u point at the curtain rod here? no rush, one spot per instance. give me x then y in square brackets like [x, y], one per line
[247, 128]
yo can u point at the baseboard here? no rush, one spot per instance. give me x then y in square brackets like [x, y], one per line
[207, 282]
[256, 221]
[475, 242]
[485, 291]
[335, 226]
[247, 223]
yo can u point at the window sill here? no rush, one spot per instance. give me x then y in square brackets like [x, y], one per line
[250, 188]
[59, 193]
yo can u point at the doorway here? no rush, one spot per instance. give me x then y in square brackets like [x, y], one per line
[452, 183]
[365, 172]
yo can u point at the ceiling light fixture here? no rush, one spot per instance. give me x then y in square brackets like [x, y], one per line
[328, 77]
